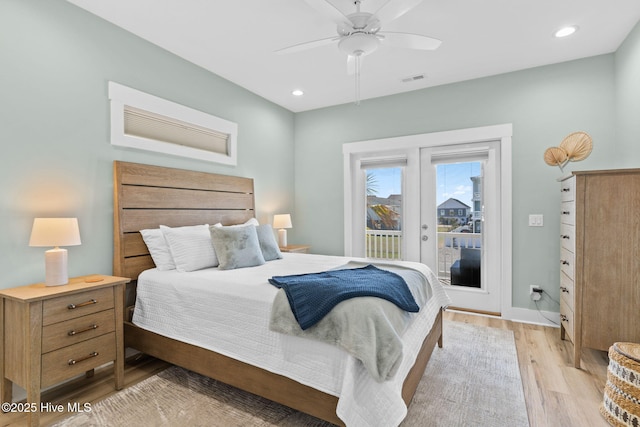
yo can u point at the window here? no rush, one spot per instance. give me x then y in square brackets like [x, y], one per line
[146, 122]
[383, 236]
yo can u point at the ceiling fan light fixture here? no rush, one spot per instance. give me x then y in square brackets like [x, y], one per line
[359, 44]
[565, 31]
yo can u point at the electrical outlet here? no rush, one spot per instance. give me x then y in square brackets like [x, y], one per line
[535, 292]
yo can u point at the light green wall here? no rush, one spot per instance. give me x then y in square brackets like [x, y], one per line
[544, 105]
[628, 99]
[56, 60]
[56, 159]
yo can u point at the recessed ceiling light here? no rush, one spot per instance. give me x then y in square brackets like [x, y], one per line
[297, 92]
[566, 31]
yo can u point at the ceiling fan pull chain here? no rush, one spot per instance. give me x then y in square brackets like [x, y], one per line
[358, 60]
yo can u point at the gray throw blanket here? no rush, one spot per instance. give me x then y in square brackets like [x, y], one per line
[313, 295]
[369, 328]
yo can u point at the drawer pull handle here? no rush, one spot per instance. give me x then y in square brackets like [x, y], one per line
[565, 236]
[82, 304]
[563, 289]
[563, 262]
[566, 212]
[564, 318]
[72, 362]
[566, 189]
[90, 328]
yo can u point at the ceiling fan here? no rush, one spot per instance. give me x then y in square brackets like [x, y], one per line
[359, 32]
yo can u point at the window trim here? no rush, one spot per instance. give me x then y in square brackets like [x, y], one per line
[122, 96]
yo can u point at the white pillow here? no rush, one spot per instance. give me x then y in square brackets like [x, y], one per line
[250, 221]
[190, 247]
[158, 249]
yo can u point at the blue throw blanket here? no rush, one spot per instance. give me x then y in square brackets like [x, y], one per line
[312, 296]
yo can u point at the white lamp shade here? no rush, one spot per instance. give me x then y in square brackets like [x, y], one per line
[282, 221]
[55, 232]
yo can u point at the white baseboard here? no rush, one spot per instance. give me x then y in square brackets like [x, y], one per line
[525, 315]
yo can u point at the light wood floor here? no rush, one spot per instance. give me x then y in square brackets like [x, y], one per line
[557, 395]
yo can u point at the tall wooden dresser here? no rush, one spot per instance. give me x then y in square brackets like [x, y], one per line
[600, 259]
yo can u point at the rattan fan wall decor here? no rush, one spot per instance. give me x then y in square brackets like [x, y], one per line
[574, 147]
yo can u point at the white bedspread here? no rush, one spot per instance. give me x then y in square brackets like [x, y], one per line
[228, 311]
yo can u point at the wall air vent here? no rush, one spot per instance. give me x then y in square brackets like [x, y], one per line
[143, 121]
[413, 78]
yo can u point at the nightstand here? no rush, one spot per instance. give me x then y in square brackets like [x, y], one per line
[300, 249]
[53, 333]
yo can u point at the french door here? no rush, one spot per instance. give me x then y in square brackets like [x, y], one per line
[460, 222]
[467, 242]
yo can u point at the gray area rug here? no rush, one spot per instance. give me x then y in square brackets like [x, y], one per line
[473, 380]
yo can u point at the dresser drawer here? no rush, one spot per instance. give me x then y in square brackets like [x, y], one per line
[566, 319]
[567, 237]
[568, 213]
[567, 290]
[567, 262]
[568, 189]
[71, 306]
[76, 359]
[62, 334]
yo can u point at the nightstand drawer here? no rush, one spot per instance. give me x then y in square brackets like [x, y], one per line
[73, 331]
[76, 305]
[76, 359]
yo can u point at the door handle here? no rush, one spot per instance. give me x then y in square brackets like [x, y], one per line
[424, 226]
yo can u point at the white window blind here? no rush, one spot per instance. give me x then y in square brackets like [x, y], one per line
[145, 124]
[383, 162]
[460, 155]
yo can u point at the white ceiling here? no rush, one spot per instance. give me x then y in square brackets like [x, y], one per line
[237, 39]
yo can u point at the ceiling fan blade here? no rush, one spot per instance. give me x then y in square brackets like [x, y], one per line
[393, 9]
[306, 45]
[330, 11]
[409, 41]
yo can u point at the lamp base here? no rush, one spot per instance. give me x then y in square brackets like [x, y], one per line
[282, 237]
[55, 263]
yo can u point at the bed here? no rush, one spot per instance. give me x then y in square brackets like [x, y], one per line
[146, 197]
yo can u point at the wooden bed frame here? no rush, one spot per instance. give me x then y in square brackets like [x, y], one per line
[147, 196]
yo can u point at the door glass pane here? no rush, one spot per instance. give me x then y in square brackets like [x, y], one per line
[459, 213]
[384, 213]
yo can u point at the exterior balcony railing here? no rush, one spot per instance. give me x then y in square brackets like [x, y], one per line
[449, 245]
[387, 244]
[384, 244]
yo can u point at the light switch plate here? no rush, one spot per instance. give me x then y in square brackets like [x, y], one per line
[536, 220]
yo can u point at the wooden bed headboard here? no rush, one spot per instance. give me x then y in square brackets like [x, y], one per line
[147, 196]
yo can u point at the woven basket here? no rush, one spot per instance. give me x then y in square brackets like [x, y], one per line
[621, 403]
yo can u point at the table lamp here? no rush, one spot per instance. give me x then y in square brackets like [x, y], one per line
[55, 232]
[282, 222]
